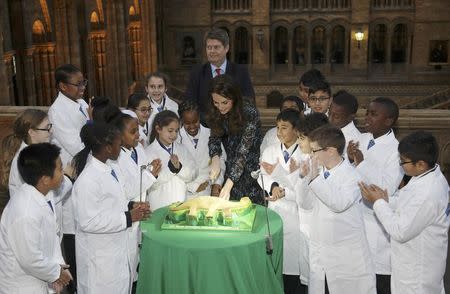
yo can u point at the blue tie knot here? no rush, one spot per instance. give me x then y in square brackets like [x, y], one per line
[195, 143]
[81, 110]
[160, 108]
[286, 156]
[371, 144]
[50, 204]
[326, 174]
[134, 155]
[113, 173]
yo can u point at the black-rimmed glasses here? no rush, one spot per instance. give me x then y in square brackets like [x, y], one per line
[47, 129]
[317, 150]
[404, 162]
[320, 99]
[81, 84]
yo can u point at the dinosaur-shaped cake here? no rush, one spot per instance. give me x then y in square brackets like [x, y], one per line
[210, 211]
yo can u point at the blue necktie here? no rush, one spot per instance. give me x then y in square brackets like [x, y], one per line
[81, 110]
[371, 144]
[113, 173]
[50, 204]
[169, 150]
[195, 143]
[160, 108]
[326, 174]
[134, 155]
[286, 156]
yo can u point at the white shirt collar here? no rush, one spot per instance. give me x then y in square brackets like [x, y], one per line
[348, 127]
[290, 149]
[223, 68]
[383, 138]
[100, 165]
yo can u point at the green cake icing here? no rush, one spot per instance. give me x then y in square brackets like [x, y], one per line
[206, 212]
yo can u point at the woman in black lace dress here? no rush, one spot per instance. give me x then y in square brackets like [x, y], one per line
[235, 123]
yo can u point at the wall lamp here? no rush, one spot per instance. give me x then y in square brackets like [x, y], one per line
[359, 36]
[260, 38]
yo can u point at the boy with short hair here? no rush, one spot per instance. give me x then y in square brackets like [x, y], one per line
[288, 102]
[417, 220]
[305, 82]
[340, 259]
[279, 163]
[30, 254]
[342, 113]
[376, 159]
[319, 98]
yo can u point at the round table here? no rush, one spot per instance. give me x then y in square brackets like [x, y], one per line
[185, 261]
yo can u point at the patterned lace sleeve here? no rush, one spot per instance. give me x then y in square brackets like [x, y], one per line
[248, 136]
[215, 146]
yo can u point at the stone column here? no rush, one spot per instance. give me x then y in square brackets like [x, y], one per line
[290, 50]
[149, 46]
[117, 51]
[388, 64]
[328, 51]
[66, 32]
[5, 98]
[9, 68]
[30, 89]
[308, 46]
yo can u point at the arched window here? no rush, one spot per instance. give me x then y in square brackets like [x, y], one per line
[132, 11]
[281, 45]
[132, 14]
[399, 44]
[299, 46]
[318, 45]
[338, 45]
[241, 46]
[95, 21]
[379, 43]
[38, 32]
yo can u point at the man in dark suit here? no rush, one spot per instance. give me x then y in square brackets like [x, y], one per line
[217, 45]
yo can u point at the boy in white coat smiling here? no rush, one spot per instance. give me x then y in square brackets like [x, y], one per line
[279, 163]
[417, 220]
[30, 254]
[340, 260]
[376, 159]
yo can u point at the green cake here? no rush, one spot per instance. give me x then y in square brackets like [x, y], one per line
[211, 213]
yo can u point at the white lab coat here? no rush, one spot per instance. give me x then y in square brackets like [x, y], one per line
[170, 187]
[142, 136]
[166, 104]
[417, 222]
[58, 196]
[269, 138]
[338, 247]
[380, 167]
[202, 160]
[351, 133]
[130, 171]
[30, 254]
[67, 120]
[101, 241]
[287, 206]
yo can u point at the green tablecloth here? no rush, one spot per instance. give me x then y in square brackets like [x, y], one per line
[210, 261]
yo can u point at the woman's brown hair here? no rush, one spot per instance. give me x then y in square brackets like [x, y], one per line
[28, 119]
[223, 85]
